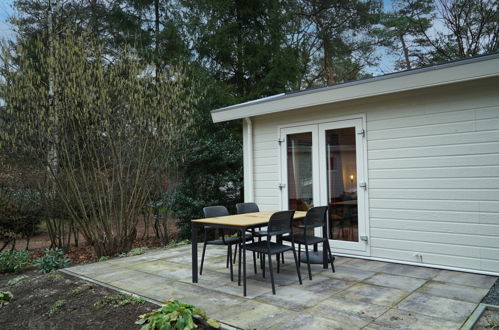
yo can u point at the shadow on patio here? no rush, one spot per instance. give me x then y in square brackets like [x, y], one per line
[361, 294]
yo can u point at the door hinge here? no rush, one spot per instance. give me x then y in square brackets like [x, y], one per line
[280, 140]
[362, 132]
[281, 185]
[364, 238]
[363, 185]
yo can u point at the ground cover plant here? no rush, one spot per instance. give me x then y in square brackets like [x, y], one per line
[14, 261]
[52, 259]
[176, 315]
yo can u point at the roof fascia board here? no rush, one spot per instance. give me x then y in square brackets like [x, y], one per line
[362, 89]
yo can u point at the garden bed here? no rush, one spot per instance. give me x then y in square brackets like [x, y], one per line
[58, 301]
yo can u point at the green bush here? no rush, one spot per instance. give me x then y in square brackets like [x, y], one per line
[14, 261]
[53, 259]
[20, 214]
[5, 297]
[174, 315]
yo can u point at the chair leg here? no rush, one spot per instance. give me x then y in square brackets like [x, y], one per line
[278, 256]
[202, 259]
[271, 274]
[297, 265]
[299, 254]
[331, 258]
[230, 263]
[263, 265]
[283, 258]
[254, 260]
[229, 250]
[308, 262]
[235, 253]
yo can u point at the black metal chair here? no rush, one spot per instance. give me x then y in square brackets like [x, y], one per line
[315, 217]
[279, 224]
[220, 211]
[243, 208]
[250, 207]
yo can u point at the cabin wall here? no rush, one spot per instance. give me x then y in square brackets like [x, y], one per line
[433, 171]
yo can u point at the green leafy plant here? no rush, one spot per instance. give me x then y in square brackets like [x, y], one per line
[118, 300]
[53, 259]
[18, 279]
[54, 276]
[14, 261]
[56, 306]
[174, 315]
[133, 252]
[81, 289]
[5, 297]
[177, 243]
[103, 258]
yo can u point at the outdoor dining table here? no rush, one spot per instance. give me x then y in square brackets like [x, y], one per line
[239, 222]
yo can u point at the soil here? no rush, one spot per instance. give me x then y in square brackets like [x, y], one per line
[34, 297]
[492, 297]
[488, 320]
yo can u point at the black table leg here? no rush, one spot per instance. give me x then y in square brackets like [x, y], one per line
[244, 260]
[194, 240]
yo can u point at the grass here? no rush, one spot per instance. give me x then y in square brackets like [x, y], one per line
[56, 306]
[118, 300]
[81, 289]
[18, 279]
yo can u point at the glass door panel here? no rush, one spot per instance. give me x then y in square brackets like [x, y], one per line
[299, 168]
[341, 171]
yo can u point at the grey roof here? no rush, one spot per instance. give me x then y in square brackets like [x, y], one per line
[363, 81]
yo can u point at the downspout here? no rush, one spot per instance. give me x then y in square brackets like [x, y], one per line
[249, 137]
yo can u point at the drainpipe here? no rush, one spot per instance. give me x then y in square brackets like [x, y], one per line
[250, 195]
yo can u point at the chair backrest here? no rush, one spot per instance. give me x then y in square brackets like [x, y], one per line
[316, 216]
[215, 211]
[280, 222]
[246, 208]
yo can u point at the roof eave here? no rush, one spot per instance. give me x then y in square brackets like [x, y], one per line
[448, 73]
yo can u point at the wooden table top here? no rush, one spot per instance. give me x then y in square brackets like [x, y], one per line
[245, 220]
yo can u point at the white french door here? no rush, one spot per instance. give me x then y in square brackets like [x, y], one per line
[325, 164]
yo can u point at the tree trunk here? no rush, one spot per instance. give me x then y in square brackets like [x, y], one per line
[327, 46]
[406, 53]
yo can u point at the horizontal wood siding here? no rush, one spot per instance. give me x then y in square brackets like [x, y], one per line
[433, 164]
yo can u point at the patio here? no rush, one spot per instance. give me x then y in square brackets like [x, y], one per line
[361, 294]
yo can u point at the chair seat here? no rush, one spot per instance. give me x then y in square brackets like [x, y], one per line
[300, 239]
[230, 240]
[263, 233]
[262, 247]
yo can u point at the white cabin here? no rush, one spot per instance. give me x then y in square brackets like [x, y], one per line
[408, 163]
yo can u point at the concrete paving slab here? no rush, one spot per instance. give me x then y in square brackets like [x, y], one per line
[479, 281]
[292, 298]
[354, 313]
[396, 281]
[324, 284]
[399, 319]
[309, 321]
[254, 288]
[364, 264]
[137, 284]
[349, 273]
[94, 268]
[444, 308]
[116, 275]
[373, 294]
[454, 291]
[408, 270]
[253, 315]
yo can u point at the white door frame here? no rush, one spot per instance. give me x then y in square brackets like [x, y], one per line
[317, 128]
[283, 133]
